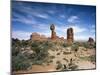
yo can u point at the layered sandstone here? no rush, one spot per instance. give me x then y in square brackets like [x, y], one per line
[70, 35]
[37, 37]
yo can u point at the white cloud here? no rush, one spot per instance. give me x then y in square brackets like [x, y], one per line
[35, 12]
[26, 35]
[79, 32]
[83, 37]
[93, 26]
[51, 11]
[62, 16]
[77, 29]
[73, 19]
[92, 29]
[21, 35]
[29, 20]
[44, 16]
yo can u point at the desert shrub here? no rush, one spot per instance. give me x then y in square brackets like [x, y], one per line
[92, 58]
[57, 62]
[65, 59]
[41, 53]
[20, 62]
[37, 62]
[35, 44]
[50, 61]
[65, 53]
[16, 47]
[25, 43]
[75, 47]
[73, 67]
[16, 42]
[76, 43]
[64, 45]
[87, 45]
[58, 53]
[59, 66]
[20, 66]
[48, 44]
[52, 57]
[15, 50]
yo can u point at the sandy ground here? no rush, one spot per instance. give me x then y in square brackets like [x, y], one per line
[39, 68]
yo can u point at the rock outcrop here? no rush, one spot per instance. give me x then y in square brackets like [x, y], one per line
[37, 37]
[53, 33]
[70, 35]
[91, 41]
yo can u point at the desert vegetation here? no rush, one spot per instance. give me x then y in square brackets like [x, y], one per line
[27, 53]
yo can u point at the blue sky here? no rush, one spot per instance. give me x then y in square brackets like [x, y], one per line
[29, 17]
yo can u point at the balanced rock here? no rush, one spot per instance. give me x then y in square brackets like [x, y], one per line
[53, 33]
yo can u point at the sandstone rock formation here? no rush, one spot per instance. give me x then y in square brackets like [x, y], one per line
[62, 38]
[70, 35]
[53, 33]
[90, 41]
[37, 37]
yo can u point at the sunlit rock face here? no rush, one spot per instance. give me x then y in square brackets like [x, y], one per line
[70, 35]
[37, 37]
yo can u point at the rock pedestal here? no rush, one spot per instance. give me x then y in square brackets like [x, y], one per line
[70, 36]
[53, 33]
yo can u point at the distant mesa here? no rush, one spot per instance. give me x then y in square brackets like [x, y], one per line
[37, 37]
[70, 36]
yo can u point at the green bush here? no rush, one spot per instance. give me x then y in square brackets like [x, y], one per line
[48, 44]
[75, 47]
[86, 45]
[92, 58]
[65, 53]
[15, 50]
[41, 53]
[73, 67]
[64, 45]
[20, 62]
[59, 66]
